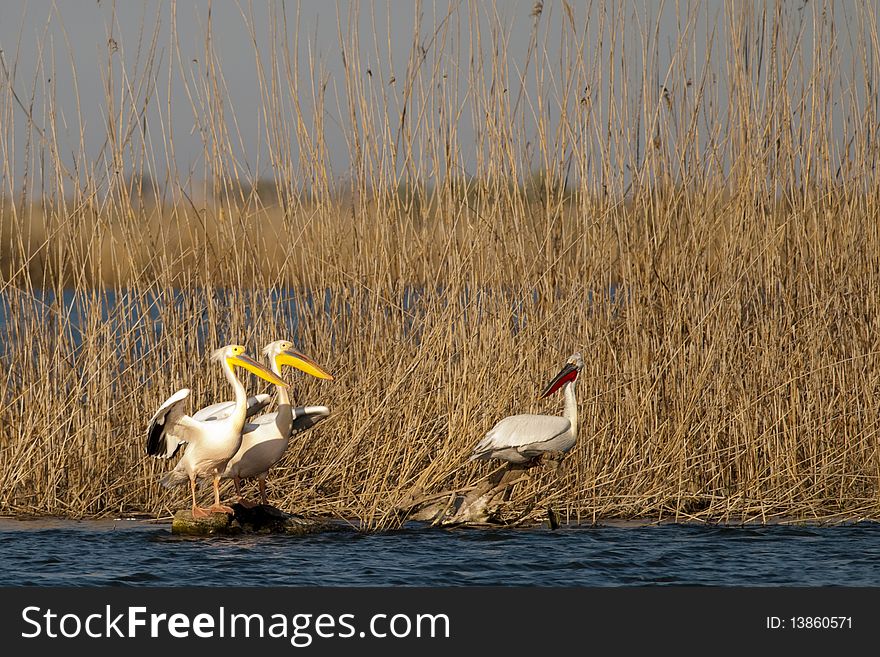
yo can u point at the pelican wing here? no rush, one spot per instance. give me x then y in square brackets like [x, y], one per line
[518, 431]
[170, 426]
[222, 410]
[255, 423]
[305, 417]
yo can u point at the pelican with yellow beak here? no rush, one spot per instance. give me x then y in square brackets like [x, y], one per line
[265, 438]
[211, 442]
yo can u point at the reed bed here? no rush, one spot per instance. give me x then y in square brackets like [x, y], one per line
[699, 217]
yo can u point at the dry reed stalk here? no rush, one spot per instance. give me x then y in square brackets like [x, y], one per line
[716, 262]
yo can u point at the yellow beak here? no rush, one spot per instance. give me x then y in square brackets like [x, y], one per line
[302, 362]
[251, 365]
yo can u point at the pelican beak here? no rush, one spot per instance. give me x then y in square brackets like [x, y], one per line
[302, 362]
[566, 374]
[261, 371]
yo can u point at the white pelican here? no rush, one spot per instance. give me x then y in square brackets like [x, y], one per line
[265, 438]
[210, 443]
[523, 438]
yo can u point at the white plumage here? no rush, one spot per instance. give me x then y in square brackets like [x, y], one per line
[210, 442]
[266, 437]
[168, 428]
[523, 438]
[220, 410]
[520, 438]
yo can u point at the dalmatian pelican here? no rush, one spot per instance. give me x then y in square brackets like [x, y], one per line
[210, 441]
[524, 438]
[265, 438]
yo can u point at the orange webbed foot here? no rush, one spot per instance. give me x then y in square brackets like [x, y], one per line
[220, 508]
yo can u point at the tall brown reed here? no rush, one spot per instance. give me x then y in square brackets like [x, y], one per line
[699, 217]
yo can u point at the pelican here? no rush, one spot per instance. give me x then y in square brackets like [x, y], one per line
[524, 438]
[210, 442]
[265, 438]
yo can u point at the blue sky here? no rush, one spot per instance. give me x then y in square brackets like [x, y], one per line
[62, 52]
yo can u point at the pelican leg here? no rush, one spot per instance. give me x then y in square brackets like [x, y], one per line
[197, 511]
[245, 502]
[216, 507]
[263, 497]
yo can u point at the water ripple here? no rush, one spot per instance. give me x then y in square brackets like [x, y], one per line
[135, 553]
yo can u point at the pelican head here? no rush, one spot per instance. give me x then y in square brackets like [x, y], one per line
[234, 355]
[282, 352]
[568, 374]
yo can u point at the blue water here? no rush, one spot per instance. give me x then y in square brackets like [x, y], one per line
[140, 316]
[139, 553]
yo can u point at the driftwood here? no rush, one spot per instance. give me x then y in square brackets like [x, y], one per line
[480, 504]
[261, 519]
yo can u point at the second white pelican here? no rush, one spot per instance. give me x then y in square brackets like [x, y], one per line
[210, 443]
[265, 438]
[524, 438]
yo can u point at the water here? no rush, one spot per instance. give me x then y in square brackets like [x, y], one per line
[138, 553]
[139, 314]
